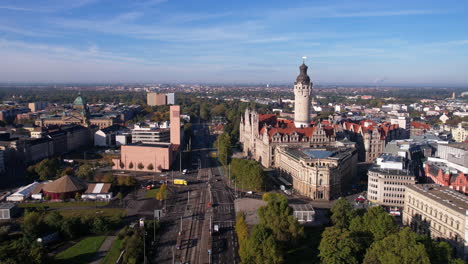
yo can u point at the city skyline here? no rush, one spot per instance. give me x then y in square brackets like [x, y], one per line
[418, 43]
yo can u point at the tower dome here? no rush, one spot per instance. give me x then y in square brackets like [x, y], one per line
[303, 77]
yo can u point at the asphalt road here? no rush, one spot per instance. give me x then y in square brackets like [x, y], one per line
[191, 212]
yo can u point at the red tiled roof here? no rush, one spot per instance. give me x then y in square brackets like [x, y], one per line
[419, 125]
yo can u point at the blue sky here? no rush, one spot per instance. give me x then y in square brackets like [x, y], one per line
[242, 41]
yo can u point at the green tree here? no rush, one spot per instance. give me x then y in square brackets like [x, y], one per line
[204, 112]
[161, 194]
[248, 174]
[262, 247]
[342, 213]
[130, 165]
[278, 217]
[150, 167]
[47, 169]
[223, 144]
[67, 171]
[32, 225]
[119, 196]
[401, 247]
[133, 246]
[338, 246]
[375, 221]
[53, 220]
[85, 171]
[140, 166]
[242, 232]
[77, 196]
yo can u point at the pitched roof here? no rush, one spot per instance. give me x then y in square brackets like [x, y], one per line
[419, 125]
[65, 184]
[98, 188]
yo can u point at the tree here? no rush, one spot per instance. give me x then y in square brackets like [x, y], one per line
[248, 174]
[121, 164]
[53, 220]
[32, 225]
[278, 217]
[140, 166]
[161, 194]
[133, 249]
[47, 169]
[338, 246]
[261, 247]
[223, 144]
[150, 167]
[119, 196]
[67, 171]
[375, 221]
[99, 225]
[401, 247]
[270, 196]
[130, 165]
[342, 213]
[85, 171]
[77, 196]
[204, 112]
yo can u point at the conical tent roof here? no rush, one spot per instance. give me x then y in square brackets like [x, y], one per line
[65, 184]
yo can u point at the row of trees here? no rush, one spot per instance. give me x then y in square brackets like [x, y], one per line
[276, 232]
[132, 241]
[248, 174]
[50, 169]
[223, 145]
[373, 237]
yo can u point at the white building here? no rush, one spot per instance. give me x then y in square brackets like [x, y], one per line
[123, 139]
[151, 133]
[387, 181]
[97, 191]
[22, 193]
[106, 137]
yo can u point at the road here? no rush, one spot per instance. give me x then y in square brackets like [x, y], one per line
[192, 211]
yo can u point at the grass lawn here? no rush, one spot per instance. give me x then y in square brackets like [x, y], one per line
[62, 204]
[151, 193]
[307, 251]
[82, 252]
[92, 212]
[113, 253]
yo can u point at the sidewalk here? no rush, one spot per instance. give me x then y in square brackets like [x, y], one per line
[105, 247]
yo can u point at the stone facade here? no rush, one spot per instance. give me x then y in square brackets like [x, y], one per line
[439, 212]
[79, 115]
[460, 132]
[318, 173]
[260, 136]
[370, 137]
[302, 92]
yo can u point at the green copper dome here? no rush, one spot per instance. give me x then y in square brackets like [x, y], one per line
[79, 100]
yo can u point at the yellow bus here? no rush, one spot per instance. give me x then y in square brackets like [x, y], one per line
[181, 182]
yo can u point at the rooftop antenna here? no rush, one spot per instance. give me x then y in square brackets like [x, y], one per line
[304, 58]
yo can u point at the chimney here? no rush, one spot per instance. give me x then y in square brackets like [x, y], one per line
[175, 124]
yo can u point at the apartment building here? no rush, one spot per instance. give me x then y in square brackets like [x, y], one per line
[439, 212]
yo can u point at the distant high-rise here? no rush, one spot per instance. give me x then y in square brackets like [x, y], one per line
[153, 99]
[302, 92]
